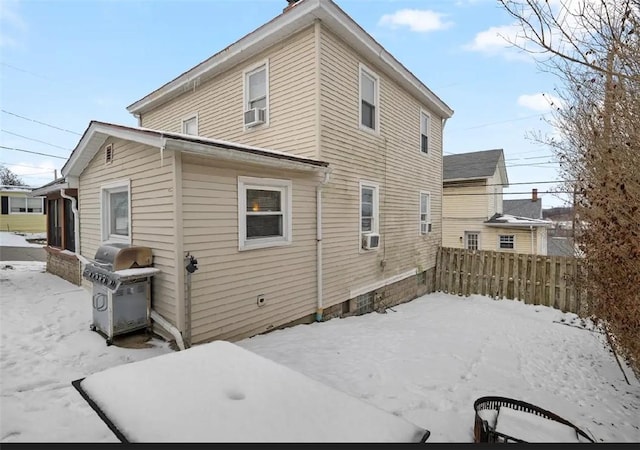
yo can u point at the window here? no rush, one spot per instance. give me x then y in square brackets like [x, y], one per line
[471, 240]
[425, 213]
[369, 93]
[116, 212]
[368, 207]
[256, 95]
[506, 241]
[424, 132]
[25, 205]
[264, 212]
[190, 125]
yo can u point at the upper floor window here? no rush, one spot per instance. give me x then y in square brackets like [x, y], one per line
[264, 212]
[424, 132]
[369, 99]
[190, 125]
[256, 95]
[25, 205]
[116, 212]
[425, 213]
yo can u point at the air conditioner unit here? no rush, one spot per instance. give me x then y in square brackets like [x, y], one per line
[370, 241]
[254, 116]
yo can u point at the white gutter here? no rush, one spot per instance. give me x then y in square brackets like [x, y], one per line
[76, 220]
[320, 305]
[168, 327]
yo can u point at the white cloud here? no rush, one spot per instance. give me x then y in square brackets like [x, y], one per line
[12, 25]
[420, 21]
[499, 41]
[539, 102]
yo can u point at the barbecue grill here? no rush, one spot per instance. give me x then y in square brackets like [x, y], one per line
[121, 298]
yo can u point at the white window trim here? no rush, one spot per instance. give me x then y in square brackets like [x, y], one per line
[188, 118]
[287, 216]
[376, 212]
[428, 213]
[514, 242]
[245, 93]
[26, 205]
[425, 113]
[362, 68]
[466, 242]
[104, 213]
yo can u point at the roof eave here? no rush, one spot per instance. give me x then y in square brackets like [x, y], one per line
[272, 32]
[517, 225]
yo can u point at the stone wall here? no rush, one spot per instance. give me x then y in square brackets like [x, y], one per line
[64, 264]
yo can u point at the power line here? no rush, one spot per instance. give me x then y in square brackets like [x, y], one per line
[34, 140]
[505, 193]
[504, 121]
[29, 151]
[26, 71]
[41, 123]
[4, 163]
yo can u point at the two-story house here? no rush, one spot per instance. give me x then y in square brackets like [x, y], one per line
[301, 166]
[473, 215]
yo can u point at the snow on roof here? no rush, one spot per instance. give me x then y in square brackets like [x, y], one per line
[11, 188]
[507, 219]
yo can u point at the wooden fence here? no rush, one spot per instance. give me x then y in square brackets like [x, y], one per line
[533, 279]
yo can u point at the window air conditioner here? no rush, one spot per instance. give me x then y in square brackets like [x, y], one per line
[254, 116]
[370, 241]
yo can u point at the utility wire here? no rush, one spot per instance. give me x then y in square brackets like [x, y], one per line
[29, 151]
[506, 193]
[34, 140]
[41, 123]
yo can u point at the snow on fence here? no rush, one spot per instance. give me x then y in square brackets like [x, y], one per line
[533, 279]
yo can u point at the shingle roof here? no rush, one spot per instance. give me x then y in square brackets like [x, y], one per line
[523, 208]
[560, 246]
[481, 164]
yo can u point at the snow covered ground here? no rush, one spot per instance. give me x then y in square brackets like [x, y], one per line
[8, 239]
[425, 361]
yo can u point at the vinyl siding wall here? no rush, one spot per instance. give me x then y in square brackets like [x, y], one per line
[219, 102]
[25, 223]
[152, 218]
[226, 286]
[391, 159]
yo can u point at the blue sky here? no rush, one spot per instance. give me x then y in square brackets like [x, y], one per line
[64, 63]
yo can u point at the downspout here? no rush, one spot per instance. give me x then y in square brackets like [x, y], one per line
[320, 306]
[76, 220]
[157, 318]
[531, 228]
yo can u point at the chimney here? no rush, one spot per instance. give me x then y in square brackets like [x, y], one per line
[534, 195]
[291, 4]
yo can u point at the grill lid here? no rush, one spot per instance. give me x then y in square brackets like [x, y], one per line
[116, 256]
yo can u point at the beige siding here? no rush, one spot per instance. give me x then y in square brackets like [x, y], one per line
[219, 101]
[523, 239]
[467, 200]
[151, 210]
[454, 229]
[228, 282]
[392, 159]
